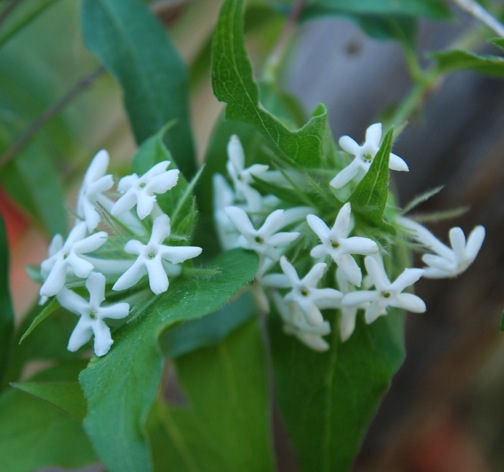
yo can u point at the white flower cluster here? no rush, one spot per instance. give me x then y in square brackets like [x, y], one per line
[299, 300]
[69, 261]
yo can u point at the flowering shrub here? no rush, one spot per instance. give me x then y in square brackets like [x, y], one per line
[285, 249]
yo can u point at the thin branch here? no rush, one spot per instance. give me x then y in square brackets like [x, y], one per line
[474, 9]
[8, 10]
[44, 117]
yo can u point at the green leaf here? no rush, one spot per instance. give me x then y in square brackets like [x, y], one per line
[423, 197]
[429, 8]
[65, 395]
[121, 386]
[6, 311]
[32, 180]
[458, 59]
[225, 427]
[47, 311]
[233, 83]
[133, 46]
[502, 321]
[34, 435]
[209, 330]
[370, 196]
[499, 42]
[327, 400]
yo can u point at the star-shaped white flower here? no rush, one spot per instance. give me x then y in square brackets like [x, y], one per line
[243, 176]
[96, 182]
[337, 244]
[363, 156]
[92, 315]
[67, 257]
[141, 191]
[305, 293]
[446, 261]
[386, 293]
[266, 240]
[295, 324]
[151, 256]
[223, 196]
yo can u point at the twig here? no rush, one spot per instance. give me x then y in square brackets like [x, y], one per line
[44, 117]
[276, 55]
[8, 10]
[477, 11]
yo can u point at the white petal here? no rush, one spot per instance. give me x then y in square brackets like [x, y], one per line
[376, 271]
[179, 254]
[373, 311]
[374, 134]
[282, 239]
[351, 269]
[160, 229]
[318, 251]
[434, 273]
[235, 153]
[406, 278]
[312, 278]
[158, 280]
[318, 227]
[345, 175]
[289, 271]
[458, 242]
[125, 203]
[128, 182]
[409, 302]
[315, 342]
[223, 195]
[275, 281]
[272, 224]
[55, 280]
[131, 276]
[342, 224]
[116, 311]
[102, 339]
[295, 214]
[91, 243]
[98, 166]
[397, 163]
[72, 302]
[327, 298]
[240, 219]
[95, 285]
[145, 204]
[439, 262]
[359, 245]
[347, 323]
[80, 335]
[256, 169]
[359, 298]
[349, 145]
[474, 242]
[55, 245]
[155, 170]
[163, 182]
[80, 267]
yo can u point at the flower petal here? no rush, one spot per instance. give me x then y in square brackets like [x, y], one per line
[240, 219]
[81, 334]
[345, 175]
[359, 245]
[144, 204]
[458, 242]
[235, 153]
[374, 134]
[161, 229]
[351, 269]
[163, 182]
[158, 280]
[359, 298]
[102, 339]
[69, 300]
[374, 311]
[282, 239]
[374, 266]
[349, 145]
[116, 311]
[312, 278]
[397, 163]
[131, 276]
[273, 222]
[178, 254]
[347, 323]
[406, 278]
[124, 203]
[318, 227]
[95, 285]
[409, 301]
[474, 242]
[55, 279]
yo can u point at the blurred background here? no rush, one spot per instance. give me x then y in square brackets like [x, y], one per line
[445, 409]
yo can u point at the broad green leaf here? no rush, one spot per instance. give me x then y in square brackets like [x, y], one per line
[370, 196]
[209, 330]
[225, 426]
[499, 42]
[47, 311]
[34, 435]
[6, 311]
[32, 180]
[133, 46]
[179, 202]
[458, 59]
[327, 400]
[233, 83]
[65, 395]
[120, 387]
[428, 8]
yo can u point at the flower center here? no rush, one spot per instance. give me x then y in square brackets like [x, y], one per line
[368, 157]
[385, 294]
[92, 315]
[259, 240]
[304, 291]
[142, 185]
[151, 254]
[335, 244]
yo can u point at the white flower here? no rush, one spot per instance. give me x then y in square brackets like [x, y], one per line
[242, 177]
[151, 256]
[92, 315]
[223, 196]
[305, 293]
[296, 325]
[67, 256]
[95, 183]
[141, 191]
[363, 156]
[265, 240]
[348, 313]
[446, 261]
[337, 244]
[386, 293]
